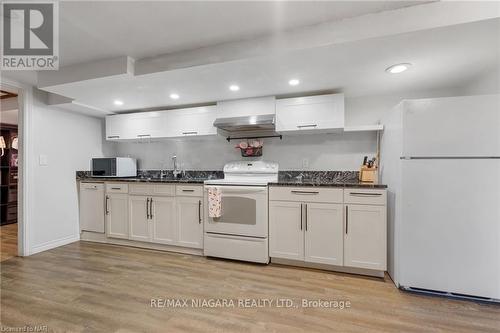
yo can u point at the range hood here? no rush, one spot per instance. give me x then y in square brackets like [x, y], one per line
[254, 123]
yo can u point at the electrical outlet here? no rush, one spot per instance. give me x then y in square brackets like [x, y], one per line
[305, 163]
[43, 160]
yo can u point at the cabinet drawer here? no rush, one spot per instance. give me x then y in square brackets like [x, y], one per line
[151, 189]
[116, 188]
[306, 194]
[189, 190]
[365, 197]
[92, 186]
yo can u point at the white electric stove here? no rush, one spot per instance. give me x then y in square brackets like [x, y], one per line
[241, 232]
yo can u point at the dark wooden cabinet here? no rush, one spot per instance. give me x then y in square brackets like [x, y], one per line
[8, 175]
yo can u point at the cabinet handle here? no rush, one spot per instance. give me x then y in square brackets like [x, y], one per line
[113, 137]
[301, 215]
[346, 219]
[143, 135]
[304, 192]
[306, 126]
[107, 209]
[306, 214]
[354, 194]
[147, 208]
[187, 133]
[187, 190]
[199, 211]
[116, 188]
[151, 208]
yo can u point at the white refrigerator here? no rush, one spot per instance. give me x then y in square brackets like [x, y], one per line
[441, 161]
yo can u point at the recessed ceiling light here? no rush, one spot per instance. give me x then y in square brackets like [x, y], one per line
[234, 87]
[174, 96]
[118, 102]
[398, 68]
[294, 82]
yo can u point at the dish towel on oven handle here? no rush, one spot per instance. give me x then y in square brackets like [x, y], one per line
[214, 202]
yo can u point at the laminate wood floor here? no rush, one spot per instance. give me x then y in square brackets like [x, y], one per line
[89, 287]
[8, 241]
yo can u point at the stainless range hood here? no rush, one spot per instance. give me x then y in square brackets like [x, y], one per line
[253, 123]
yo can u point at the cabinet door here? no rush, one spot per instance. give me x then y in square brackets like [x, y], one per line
[286, 235]
[365, 237]
[312, 113]
[145, 125]
[117, 215]
[190, 221]
[163, 220]
[117, 127]
[324, 233]
[92, 207]
[139, 223]
[192, 121]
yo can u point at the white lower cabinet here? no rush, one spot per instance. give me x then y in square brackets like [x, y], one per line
[167, 219]
[365, 237]
[312, 232]
[139, 224]
[152, 219]
[190, 221]
[163, 226]
[286, 233]
[117, 215]
[324, 233]
[329, 226]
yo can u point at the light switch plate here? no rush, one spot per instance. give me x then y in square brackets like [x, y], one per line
[43, 160]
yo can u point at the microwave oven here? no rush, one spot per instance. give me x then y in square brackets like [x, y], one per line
[114, 167]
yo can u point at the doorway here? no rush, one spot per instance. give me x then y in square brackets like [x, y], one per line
[9, 174]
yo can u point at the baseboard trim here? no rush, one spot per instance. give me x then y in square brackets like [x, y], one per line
[341, 269]
[55, 243]
[101, 238]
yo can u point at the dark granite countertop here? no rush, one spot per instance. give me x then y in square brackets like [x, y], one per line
[322, 183]
[143, 180]
[285, 178]
[323, 179]
[153, 176]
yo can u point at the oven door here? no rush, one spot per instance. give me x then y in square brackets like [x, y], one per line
[244, 211]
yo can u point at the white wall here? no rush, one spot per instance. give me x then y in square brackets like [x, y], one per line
[68, 141]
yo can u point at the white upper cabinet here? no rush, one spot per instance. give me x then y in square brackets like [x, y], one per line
[191, 121]
[323, 113]
[162, 124]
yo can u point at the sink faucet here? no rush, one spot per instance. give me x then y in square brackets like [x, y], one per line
[176, 172]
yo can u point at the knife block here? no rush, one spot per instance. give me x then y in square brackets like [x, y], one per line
[368, 175]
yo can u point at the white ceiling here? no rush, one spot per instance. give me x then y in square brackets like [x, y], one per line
[91, 30]
[441, 57]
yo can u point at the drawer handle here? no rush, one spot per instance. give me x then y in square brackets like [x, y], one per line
[188, 133]
[187, 190]
[361, 194]
[305, 192]
[113, 137]
[116, 188]
[306, 126]
[143, 135]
